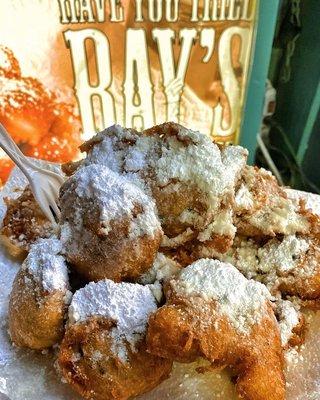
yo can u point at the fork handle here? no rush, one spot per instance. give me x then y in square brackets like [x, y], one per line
[13, 151]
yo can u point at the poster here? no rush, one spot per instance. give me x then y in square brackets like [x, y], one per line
[69, 68]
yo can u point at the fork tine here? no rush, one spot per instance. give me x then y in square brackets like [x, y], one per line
[44, 205]
[42, 200]
[54, 191]
[55, 209]
[52, 196]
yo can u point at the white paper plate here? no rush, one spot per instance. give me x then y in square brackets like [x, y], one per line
[27, 375]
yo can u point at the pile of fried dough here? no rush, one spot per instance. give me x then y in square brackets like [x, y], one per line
[169, 248]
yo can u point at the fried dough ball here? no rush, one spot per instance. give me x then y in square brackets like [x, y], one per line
[264, 209]
[109, 148]
[244, 255]
[39, 297]
[191, 179]
[24, 223]
[109, 227]
[103, 355]
[214, 312]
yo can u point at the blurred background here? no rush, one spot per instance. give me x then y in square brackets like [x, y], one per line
[288, 142]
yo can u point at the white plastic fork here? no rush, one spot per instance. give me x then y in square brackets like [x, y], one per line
[44, 184]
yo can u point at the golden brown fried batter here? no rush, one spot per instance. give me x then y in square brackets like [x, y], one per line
[167, 189]
[23, 224]
[36, 318]
[289, 264]
[39, 299]
[189, 198]
[172, 200]
[303, 281]
[89, 365]
[193, 323]
[191, 179]
[298, 333]
[264, 209]
[109, 226]
[103, 354]
[292, 323]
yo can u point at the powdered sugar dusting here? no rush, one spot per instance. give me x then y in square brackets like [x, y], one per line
[243, 198]
[113, 196]
[8, 64]
[4, 60]
[282, 256]
[186, 157]
[108, 151]
[18, 93]
[221, 225]
[201, 162]
[288, 319]
[142, 154]
[283, 216]
[244, 256]
[128, 304]
[46, 265]
[312, 200]
[271, 262]
[177, 240]
[266, 206]
[163, 268]
[242, 301]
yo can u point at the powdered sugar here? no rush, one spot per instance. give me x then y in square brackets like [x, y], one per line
[121, 150]
[200, 162]
[9, 66]
[242, 301]
[221, 225]
[163, 268]
[244, 256]
[282, 216]
[108, 149]
[182, 156]
[265, 205]
[288, 319]
[282, 256]
[143, 154]
[243, 198]
[312, 200]
[4, 59]
[294, 357]
[128, 304]
[46, 266]
[271, 262]
[177, 240]
[113, 197]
